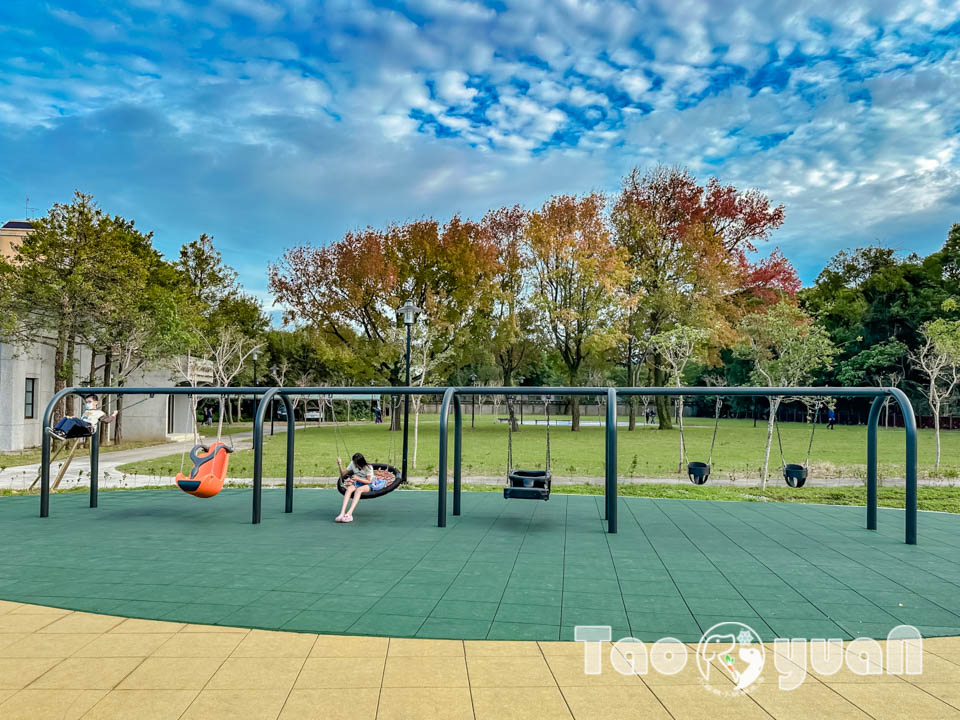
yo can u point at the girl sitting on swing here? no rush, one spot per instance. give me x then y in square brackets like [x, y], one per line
[362, 480]
[86, 424]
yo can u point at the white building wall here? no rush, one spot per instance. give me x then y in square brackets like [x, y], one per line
[142, 421]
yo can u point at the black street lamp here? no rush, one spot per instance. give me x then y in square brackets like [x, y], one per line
[473, 382]
[256, 400]
[409, 313]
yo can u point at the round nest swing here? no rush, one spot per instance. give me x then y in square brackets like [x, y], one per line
[380, 470]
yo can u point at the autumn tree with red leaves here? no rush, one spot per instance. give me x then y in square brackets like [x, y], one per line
[688, 247]
[349, 292]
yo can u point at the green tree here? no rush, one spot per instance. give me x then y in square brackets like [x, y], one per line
[578, 278]
[938, 359]
[785, 349]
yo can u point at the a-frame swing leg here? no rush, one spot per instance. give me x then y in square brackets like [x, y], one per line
[66, 464]
[52, 459]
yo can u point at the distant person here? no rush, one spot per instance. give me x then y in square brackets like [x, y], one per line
[831, 419]
[208, 415]
[377, 414]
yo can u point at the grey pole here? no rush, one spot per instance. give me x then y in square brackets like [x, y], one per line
[457, 446]
[95, 466]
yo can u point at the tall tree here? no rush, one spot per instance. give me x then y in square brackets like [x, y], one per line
[785, 347]
[578, 278]
[688, 248]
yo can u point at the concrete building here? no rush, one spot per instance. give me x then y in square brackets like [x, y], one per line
[27, 384]
[12, 232]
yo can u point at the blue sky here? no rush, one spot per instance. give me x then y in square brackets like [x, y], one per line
[271, 122]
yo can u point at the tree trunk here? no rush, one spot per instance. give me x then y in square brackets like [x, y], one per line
[575, 413]
[936, 431]
[220, 420]
[118, 422]
[683, 450]
[92, 375]
[774, 404]
[68, 369]
[658, 377]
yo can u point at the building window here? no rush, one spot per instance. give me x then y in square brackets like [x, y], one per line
[29, 399]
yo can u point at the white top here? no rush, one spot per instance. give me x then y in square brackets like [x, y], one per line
[91, 417]
[366, 473]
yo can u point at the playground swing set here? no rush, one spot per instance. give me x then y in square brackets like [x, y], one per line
[212, 460]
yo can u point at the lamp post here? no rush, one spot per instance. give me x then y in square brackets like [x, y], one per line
[473, 382]
[273, 401]
[256, 402]
[409, 312]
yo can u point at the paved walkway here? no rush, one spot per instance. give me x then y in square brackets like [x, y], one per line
[57, 664]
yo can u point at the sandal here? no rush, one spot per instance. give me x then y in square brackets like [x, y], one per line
[347, 518]
[339, 518]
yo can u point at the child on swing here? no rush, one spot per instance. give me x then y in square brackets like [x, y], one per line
[86, 424]
[362, 480]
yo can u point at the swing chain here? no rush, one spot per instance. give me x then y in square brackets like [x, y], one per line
[716, 425]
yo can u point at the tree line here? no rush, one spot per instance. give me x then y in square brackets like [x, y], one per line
[657, 284]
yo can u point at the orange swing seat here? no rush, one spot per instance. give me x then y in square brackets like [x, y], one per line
[209, 470]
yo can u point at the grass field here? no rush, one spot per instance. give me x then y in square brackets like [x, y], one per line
[643, 453]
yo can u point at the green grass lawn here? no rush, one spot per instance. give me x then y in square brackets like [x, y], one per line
[643, 453]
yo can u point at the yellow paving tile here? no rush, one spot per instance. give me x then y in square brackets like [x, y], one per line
[360, 704]
[87, 673]
[813, 699]
[425, 672]
[425, 704]
[4, 694]
[7, 605]
[569, 672]
[16, 673]
[509, 672]
[507, 648]
[10, 638]
[17, 623]
[231, 704]
[171, 674]
[414, 647]
[213, 628]
[886, 701]
[333, 673]
[256, 674]
[938, 645]
[689, 675]
[137, 625]
[529, 703]
[213, 645]
[613, 703]
[53, 645]
[688, 701]
[142, 705]
[122, 645]
[935, 669]
[267, 644]
[349, 646]
[32, 704]
[39, 610]
[75, 623]
[568, 648]
[948, 692]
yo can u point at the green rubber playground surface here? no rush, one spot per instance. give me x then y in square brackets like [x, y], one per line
[508, 570]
